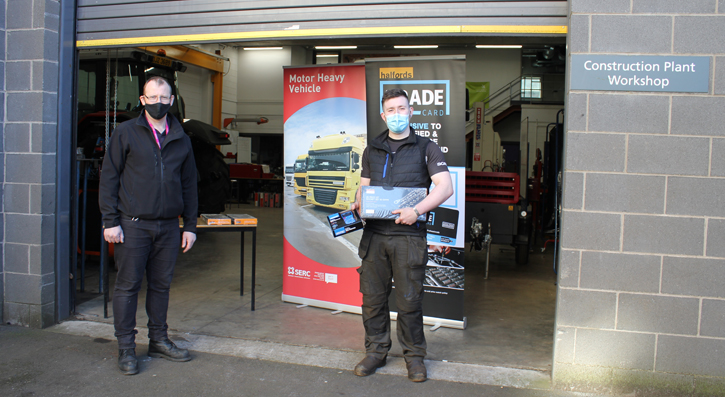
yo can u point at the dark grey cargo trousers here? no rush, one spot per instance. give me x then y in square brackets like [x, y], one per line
[402, 258]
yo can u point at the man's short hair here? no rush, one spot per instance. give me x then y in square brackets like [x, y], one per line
[393, 93]
[158, 80]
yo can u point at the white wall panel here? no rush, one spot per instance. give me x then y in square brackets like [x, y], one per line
[195, 87]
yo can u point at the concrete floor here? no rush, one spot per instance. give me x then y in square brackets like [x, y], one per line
[510, 315]
[78, 358]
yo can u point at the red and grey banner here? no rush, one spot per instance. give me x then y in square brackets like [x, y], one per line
[324, 134]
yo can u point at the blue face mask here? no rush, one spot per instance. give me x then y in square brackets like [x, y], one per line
[397, 123]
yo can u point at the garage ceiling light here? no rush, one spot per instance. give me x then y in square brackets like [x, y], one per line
[336, 47]
[327, 55]
[414, 46]
[498, 46]
[261, 48]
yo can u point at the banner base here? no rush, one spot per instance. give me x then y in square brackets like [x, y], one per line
[437, 322]
[433, 321]
[321, 304]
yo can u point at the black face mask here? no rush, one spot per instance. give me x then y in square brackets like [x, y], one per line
[158, 110]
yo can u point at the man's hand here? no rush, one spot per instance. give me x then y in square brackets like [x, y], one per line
[442, 249]
[187, 240]
[407, 216]
[113, 235]
[357, 205]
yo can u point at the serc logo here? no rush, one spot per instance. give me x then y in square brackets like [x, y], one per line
[291, 271]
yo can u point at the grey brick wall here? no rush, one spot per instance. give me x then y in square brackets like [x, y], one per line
[641, 303]
[29, 72]
[3, 131]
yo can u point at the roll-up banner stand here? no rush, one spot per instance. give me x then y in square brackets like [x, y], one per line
[437, 93]
[324, 136]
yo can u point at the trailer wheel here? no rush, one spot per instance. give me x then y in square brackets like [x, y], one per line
[522, 254]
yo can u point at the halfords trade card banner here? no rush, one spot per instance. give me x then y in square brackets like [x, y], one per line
[325, 133]
[437, 93]
[436, 90]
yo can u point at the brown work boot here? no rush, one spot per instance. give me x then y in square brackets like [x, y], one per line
[416, 370]
[368, 365]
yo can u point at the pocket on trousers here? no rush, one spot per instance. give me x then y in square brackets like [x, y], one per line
[362, 249]
[417, 252]
[360, 272]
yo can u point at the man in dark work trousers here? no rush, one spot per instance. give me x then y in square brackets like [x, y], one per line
[397, 249]
[148, 179]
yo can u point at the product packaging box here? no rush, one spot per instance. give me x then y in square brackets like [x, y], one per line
[379, 202]
[344, 222]
[242, 219]
[442, 226]
[216, 219]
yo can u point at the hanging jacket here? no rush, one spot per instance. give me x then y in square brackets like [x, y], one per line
[141, 180]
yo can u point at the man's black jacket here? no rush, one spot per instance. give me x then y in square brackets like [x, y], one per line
[140, 180]
[407, 168]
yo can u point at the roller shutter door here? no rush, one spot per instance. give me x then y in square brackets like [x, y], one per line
[117, 23]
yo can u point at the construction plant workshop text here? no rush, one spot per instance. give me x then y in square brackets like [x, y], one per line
[635, 80]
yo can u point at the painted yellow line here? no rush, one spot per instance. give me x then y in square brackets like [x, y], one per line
[272, 34]
[532, 29]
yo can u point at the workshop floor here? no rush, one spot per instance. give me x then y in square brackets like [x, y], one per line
[510, 316]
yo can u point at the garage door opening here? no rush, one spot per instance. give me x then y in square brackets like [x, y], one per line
[509, 307]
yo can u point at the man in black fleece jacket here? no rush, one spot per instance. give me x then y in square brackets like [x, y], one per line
[148, 179]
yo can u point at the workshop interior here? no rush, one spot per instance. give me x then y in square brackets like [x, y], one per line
[230, 97]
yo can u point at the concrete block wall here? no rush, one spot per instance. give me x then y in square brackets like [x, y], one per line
[641, 301]
[2, 149]
[29, 119]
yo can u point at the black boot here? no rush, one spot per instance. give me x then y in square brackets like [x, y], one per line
[368, 365]
[416, 370]
[168, 350]
[127, 362]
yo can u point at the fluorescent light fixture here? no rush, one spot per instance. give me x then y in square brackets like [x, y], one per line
[415, 46]
[261, 48]
[335, 47]
[498, 46]
[327, 55]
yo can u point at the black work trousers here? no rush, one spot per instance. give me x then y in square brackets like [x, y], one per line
[151, 247]
[385, 258]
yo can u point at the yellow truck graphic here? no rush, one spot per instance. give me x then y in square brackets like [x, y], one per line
[300, 175]
[333, 170]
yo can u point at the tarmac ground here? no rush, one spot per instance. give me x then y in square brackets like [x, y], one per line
[58, 361]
